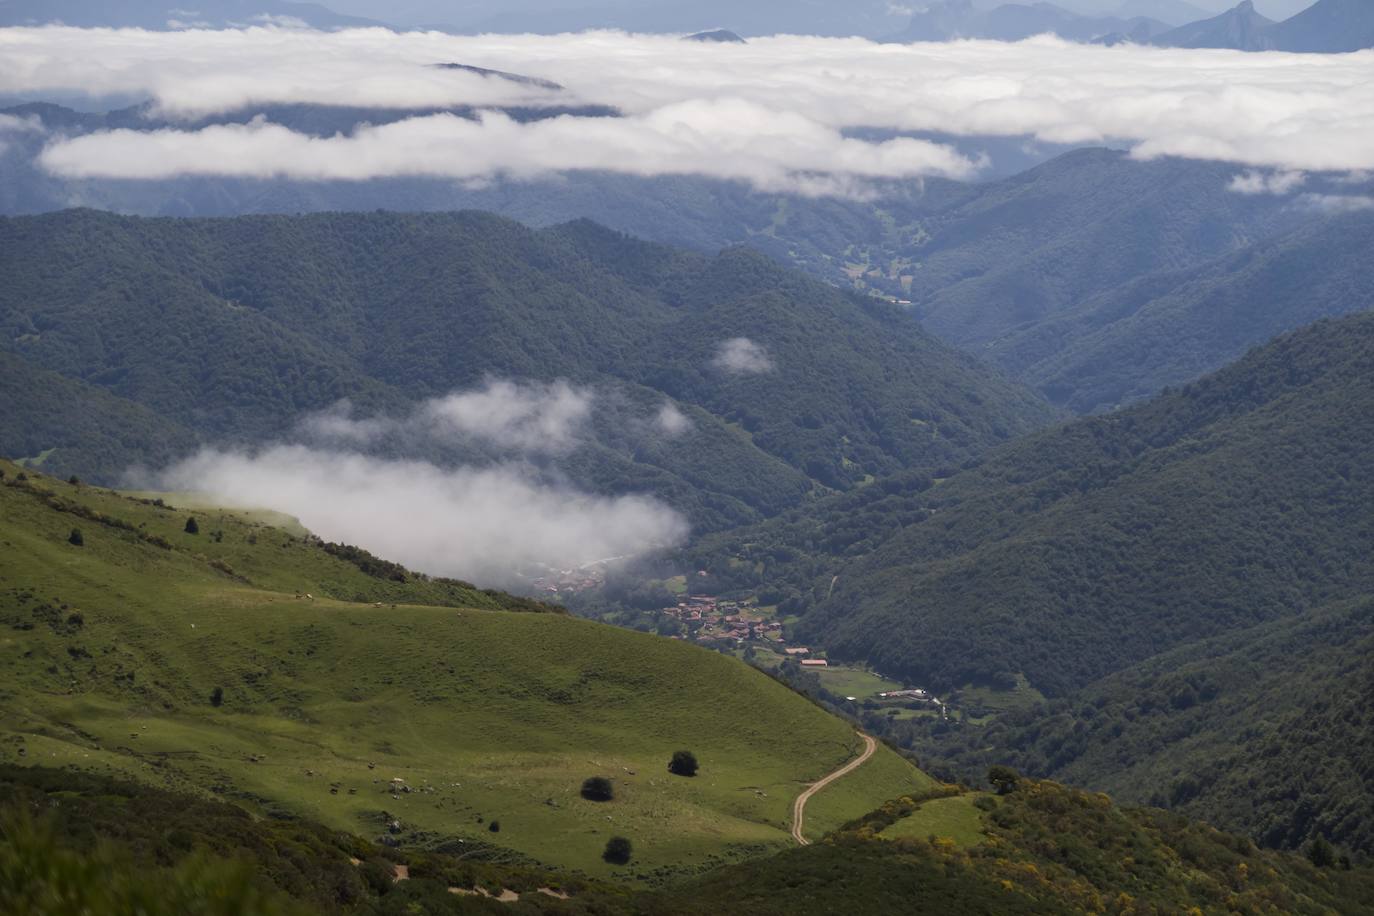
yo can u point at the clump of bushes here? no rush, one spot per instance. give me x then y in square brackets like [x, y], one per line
[618, 851]
[684, 763]
[597, 789]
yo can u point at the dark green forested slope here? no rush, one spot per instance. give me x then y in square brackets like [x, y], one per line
[1245, 497]
[1167, 329]
[1268, 731]
[84, 427]
[1084, 550]
[234, 328]
[1024, 249]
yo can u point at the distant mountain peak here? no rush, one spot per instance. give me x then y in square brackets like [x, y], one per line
[518, 78]
[721, 36]
[1328, 27]
[1241, 28]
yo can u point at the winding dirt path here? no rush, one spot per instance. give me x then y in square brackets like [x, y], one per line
[799, 806]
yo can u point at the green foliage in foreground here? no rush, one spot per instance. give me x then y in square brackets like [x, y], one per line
[1043, 849]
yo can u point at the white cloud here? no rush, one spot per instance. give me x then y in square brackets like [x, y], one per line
[772, 112]
[1276, 183]
[481, 524]
[531, 417]
[527, 417]
[1337, 203]
[731, 138]
[17, 125]
[281, 22]
[741, 356]
[671, 421]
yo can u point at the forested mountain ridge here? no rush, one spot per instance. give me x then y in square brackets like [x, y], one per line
[1007, 268]
[1267, 731]
[235, 328]
[1168, 328]
[1087, 549]
[1021, 251]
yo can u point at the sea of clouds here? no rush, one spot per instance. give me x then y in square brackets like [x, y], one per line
[777, 113]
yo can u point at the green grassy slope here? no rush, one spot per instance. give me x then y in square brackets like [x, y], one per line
[112, 651]
[265, 318]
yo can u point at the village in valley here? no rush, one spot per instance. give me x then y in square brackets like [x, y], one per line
[739, 625]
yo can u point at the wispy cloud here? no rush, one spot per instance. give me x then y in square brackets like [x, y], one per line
[671, 421]
[1276, 183]
[741, 356]
[526, 417]
[1337, 203]
[773, 112]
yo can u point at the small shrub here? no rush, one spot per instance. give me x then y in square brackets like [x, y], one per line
[494, 826]
[217, 697]
[75, 538]
[1003, 779]
[74, 480]
[684, 763]
[598, 789]
[1320, 853]
[192, 527]
[618, 851]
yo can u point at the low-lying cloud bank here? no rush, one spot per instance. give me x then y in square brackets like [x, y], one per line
[482, 524]
[487, 522]
[773, 112]
[737, 140]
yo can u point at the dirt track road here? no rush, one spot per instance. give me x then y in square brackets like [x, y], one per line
[799, 806]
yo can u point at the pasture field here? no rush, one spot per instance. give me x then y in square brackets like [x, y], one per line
[954, 817]
[197, 661]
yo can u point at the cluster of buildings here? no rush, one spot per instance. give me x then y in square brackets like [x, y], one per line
[715, 619]
[915, 694]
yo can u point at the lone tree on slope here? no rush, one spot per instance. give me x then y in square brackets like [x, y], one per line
[618, 851]
[75, 538]
[598, 789]
[191, 526]
[684, 763]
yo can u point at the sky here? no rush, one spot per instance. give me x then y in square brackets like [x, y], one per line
[413, 12]
[776, 113]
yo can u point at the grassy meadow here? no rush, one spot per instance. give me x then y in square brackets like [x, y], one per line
[112, 653]
[955, 818]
